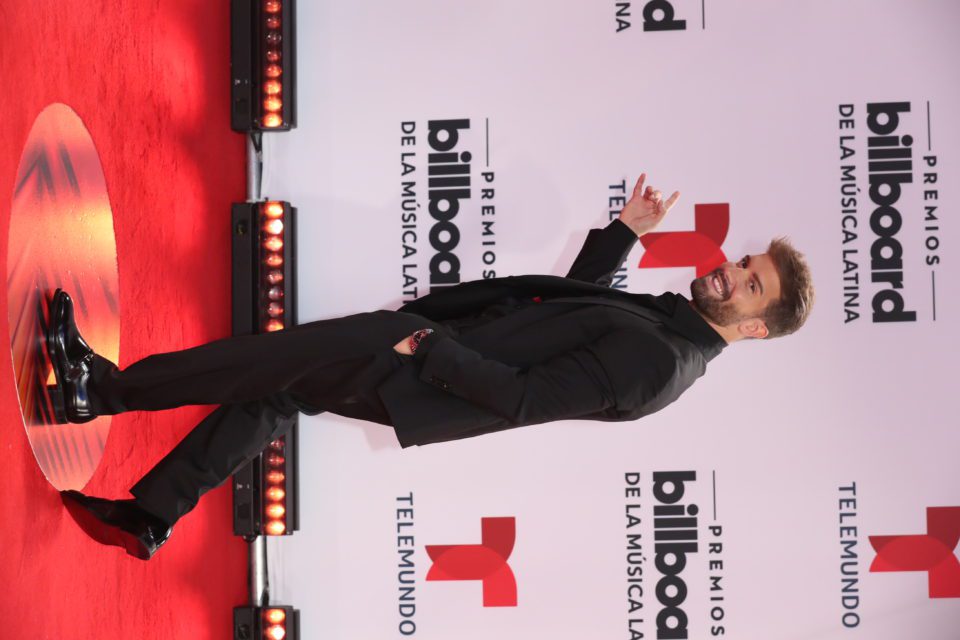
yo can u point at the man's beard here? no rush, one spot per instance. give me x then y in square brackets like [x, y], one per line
[705, 299]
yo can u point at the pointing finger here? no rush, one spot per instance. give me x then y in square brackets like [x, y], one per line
[637, 190]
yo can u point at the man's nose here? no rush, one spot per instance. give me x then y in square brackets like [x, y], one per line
[731, 269]
[733, 272]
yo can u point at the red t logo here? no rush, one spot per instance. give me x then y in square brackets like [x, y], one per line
[931, 552]
[486, 561]
[700, 248]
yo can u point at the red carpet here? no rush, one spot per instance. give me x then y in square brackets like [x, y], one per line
[150, 80]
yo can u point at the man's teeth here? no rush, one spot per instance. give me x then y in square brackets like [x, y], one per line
[717, 285]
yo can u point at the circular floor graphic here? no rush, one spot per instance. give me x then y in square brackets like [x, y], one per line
[61, 235]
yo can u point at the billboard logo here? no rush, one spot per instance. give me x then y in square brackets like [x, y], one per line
[701, 248]
[675, 539]
[932, 552]
[658, 15]
[890, 166]
[486, 562]
[448, 183]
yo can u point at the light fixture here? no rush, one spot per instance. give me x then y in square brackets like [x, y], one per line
[263, 65]
[273, 622]
[264, 300]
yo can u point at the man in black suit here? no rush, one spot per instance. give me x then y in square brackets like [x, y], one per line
[467, 360]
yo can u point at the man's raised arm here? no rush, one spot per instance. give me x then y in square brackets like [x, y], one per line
[605, 249]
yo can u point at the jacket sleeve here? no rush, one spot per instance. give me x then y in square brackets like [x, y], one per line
[602, 253]
[572, 384]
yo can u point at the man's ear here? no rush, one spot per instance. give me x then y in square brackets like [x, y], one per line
[753, 328]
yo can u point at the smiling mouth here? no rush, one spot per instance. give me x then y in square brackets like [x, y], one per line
[720, 285]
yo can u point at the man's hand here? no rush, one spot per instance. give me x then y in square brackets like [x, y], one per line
[403, 346]
[409, 345]
[644, 211]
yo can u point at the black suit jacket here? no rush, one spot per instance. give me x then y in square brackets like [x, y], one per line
[643, 352]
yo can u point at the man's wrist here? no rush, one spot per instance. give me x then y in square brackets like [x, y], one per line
[627, 226]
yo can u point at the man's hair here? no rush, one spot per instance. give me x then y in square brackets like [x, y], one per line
[791, 310]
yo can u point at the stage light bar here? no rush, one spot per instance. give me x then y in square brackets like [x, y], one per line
[263, 65]
[275, 474]
[266, 495]
[266, 623]
[272, 288]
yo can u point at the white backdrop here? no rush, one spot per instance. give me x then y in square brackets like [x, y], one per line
[743, 107]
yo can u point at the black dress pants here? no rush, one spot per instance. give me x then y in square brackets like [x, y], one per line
[261, 382]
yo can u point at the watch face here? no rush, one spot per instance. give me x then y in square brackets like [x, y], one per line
[61, 236]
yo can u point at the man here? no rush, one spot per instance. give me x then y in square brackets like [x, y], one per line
[467, 360]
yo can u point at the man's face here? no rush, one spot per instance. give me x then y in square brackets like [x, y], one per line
[737, 292]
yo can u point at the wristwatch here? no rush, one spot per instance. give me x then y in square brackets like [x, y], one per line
[417, 336]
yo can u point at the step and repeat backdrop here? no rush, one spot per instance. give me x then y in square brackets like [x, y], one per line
[807, 487]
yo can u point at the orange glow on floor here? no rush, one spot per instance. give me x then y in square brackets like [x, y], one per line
[61, 235]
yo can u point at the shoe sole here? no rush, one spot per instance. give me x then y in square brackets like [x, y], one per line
[55, 391]
[102, 532]
[59, 408]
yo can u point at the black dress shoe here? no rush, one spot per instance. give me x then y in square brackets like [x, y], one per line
[71, 357]
[120, 523]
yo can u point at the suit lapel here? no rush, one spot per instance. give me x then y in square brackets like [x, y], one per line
[472, 297]
[681, 321]
[629, 306]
